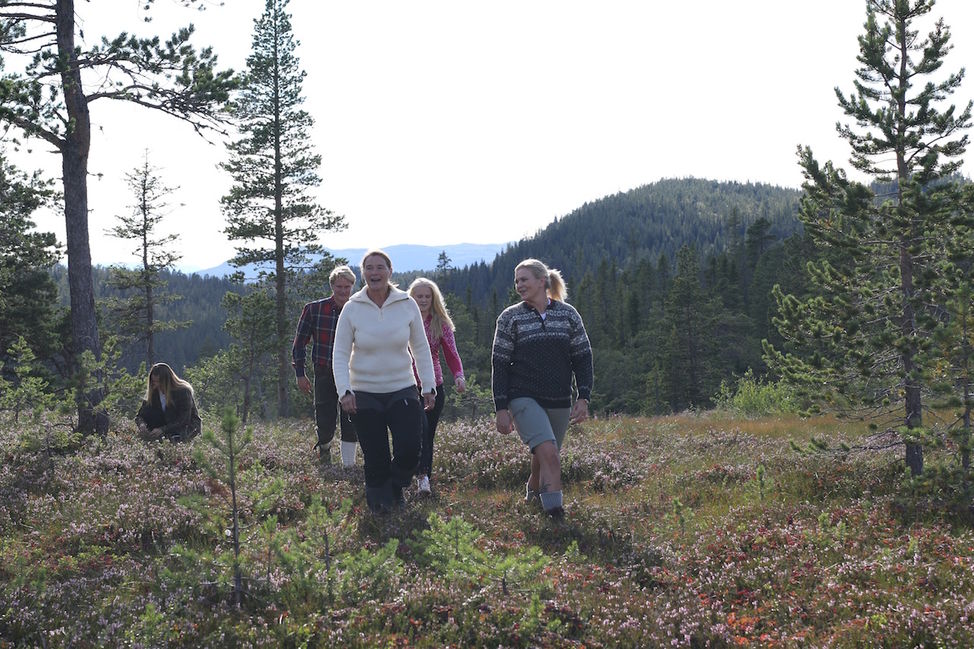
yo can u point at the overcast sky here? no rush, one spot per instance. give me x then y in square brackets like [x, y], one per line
[452, 121]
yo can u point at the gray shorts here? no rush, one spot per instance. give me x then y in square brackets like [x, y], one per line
[536, 425]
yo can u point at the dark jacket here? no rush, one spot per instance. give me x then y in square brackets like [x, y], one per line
[179, 422]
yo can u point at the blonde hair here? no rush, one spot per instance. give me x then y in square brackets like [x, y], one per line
[553, 282]
[440, 314]
[167, 381]
[341, 271]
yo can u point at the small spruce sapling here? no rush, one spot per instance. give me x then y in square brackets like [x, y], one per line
[231, 446]
[453, 549]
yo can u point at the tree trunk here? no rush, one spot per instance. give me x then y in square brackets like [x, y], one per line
[150, 351]
[283, 366]
[74, 169]
[913, 397]
[245, 408]
[968, 398]
[150, 347]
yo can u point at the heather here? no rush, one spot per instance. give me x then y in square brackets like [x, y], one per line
[698, 530]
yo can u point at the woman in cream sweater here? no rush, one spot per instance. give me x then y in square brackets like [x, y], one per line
[379, 333]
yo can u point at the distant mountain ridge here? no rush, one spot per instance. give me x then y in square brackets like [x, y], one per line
[623, 229]
[405, 257]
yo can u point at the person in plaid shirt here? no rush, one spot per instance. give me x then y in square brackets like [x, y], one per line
[317, 325]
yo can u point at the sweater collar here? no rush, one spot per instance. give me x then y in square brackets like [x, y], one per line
[395, 295]
[551, 305]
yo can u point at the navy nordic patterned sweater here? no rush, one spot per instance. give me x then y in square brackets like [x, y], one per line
[535, 357]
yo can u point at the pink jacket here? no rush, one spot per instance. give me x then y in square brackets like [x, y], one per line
[449, 344]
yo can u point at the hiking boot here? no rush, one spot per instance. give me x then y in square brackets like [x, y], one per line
[394, 495]
[556, 513]
[423, 486]
[376, 499]
[324, 455]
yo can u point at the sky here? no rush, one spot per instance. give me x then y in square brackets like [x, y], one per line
[451, 121]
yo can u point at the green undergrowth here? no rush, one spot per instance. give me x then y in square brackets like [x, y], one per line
[697, 530]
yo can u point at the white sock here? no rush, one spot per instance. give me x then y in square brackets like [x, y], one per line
[550, 500]
[348, 453]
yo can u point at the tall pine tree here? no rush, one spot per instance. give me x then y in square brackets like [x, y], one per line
[955, 342]
[867, 332]
[51, 96]
[275, 170]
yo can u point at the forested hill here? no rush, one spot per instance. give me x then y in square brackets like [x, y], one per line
[673, 280]
[198, 305]
[640, 266]
[638, 225]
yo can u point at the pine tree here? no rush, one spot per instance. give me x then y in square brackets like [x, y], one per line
[250, 323]
[734, 225]
[443, 265]
[275, 171]
[757, 241]
[689, 349]
[51, 99]
[866, 333]
[955, 340]
[137, 313]
[28, 295]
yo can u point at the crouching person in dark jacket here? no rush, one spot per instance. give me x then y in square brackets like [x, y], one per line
[169, 409]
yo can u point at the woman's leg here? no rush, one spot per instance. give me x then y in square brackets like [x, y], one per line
[534, 480]
[373, 437]
[148, 419]
[549, 466]
[404, 419]
[542, 430]
[326, 410]
[429, 433]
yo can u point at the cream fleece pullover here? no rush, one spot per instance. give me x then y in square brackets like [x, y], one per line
[373, 345]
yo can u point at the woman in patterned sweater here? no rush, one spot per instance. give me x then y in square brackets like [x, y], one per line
[539, 345]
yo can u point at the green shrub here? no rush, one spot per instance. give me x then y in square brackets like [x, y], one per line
[752, 397]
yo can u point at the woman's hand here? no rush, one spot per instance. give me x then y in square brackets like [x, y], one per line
[429, 400]
[579, 411]
[348, 403]
[460, 384]
[504, 422]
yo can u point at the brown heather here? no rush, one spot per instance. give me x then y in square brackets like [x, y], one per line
[697, 530]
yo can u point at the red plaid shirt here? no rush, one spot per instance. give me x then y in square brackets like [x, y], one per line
[317, 325]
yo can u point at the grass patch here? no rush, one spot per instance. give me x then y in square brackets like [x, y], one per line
[694, 530]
